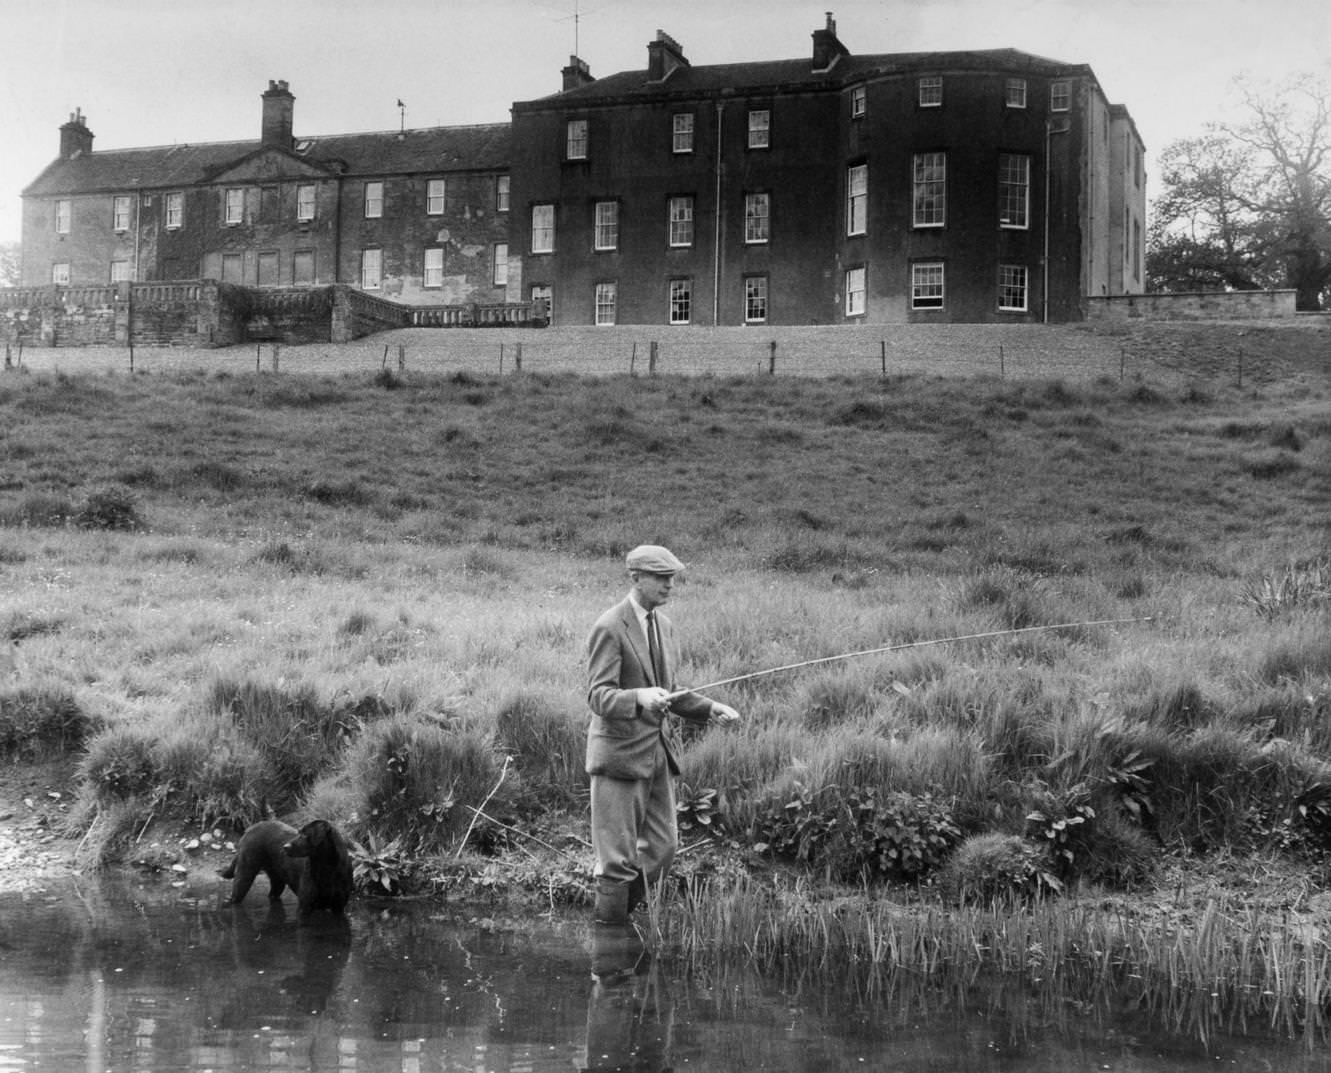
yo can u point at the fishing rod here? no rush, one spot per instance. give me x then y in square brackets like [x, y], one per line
[900, 647]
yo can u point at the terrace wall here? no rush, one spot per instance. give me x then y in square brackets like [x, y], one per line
[1193, 305]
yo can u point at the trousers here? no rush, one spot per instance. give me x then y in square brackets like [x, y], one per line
[633, 824]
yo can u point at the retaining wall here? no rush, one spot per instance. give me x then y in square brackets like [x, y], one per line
[1192, 305]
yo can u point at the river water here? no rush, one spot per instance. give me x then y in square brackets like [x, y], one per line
[139, 975]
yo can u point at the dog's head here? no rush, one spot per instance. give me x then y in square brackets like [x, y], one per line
[318, 839]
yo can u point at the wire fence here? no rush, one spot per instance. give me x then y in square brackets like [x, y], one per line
[1026, 352]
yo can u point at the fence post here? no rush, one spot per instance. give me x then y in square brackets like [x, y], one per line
[9, 361]
[651, 359]
[633, 358]
[383, 363]
[131, 355]
[1002, 364]
[258, 357]
[882, 354]
[401, 358]
[1240, 366]
[276, 347]
[517, 357]
[501, 359]
[1122, 361]
[771, 358]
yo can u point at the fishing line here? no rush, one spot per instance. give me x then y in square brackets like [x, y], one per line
[899, 648]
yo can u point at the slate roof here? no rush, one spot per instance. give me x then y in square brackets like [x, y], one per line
[775, 75]
[483, 147]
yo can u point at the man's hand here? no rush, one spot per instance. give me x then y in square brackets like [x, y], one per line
[723, 713]
[653, 699]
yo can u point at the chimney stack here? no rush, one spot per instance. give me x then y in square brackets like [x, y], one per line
[826, 48]
[577, 73]
[75, 137]
[663, 57]
[279, 106]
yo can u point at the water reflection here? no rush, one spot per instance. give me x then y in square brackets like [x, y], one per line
[126, 977]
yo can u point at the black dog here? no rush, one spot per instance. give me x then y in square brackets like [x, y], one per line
[326, 880]
[313, 862]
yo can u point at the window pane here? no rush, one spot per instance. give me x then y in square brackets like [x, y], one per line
[682, 133]
[120, 271]
[855, 298]
[1016, 93]
[501, 194]
[1014, 187]
[605, 303]
[374, 200]
[235, 206]
[755, 298]
[681, 221]
[760, 123]
[931, 91]
[434, 268]
[1060, 96]
[305, 202]
[926, 286]
[577, 139]
[120, 214]
[607, 225]
[542, 228]
[930, 189]
[857, 199]
[60, 272]
[500, 277]
[756, 209]
[434, 197]
[859, 97]
[1012, 287]
[175, 210]
[371, 269]
[63, 214]
[681, 301]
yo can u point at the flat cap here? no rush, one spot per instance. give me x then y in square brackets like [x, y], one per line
[654, 559]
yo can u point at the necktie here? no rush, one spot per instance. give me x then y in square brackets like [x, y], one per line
[654, 650]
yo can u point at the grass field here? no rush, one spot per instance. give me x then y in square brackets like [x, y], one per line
[364, 594]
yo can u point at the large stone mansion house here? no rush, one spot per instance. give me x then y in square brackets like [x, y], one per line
[989, 186]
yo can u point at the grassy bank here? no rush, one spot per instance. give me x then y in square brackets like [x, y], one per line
[364, 597]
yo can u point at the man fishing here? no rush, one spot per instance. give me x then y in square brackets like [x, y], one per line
[632, 747]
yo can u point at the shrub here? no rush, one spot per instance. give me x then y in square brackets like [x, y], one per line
[38, 723]
[120, 765]
[547, 743]
[218, 778]
[860, 834]
[997, 869]
[113, 508]
[39, 510]
[1298, 585]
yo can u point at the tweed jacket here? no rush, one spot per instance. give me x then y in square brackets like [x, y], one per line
[622, 739]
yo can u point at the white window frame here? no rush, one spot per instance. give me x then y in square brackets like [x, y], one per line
[859, 101]
[1014, 93]
[681, 132]
[307, 195]
[760, 128]
[501, 193]
[64, 216]
[374, 199]
[175, 210]
[755, 299]
[757, 218]
[857, 199]
[575, 140]
[1014, 191]
[1060, 96]
[606, 300]
[499, 264]
[928, 285]
[929, 91]
[432, 275]
[543, 228]
[60, 273]
[929, 190]
[436, 191]
[120, 212]
[1013, 280]
[679, 212]
[605, 226]
[234, 210]
[681, 300]
[120, 272]
[857, 293]
[371, 269]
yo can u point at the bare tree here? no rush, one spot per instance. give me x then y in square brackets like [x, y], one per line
[1249, 204]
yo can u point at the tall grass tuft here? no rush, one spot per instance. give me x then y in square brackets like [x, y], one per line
[416, 779]
[1298, 585]
[299, 736]
[37, 723]
[547, 743]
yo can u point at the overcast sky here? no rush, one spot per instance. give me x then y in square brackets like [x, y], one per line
[155, 72]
